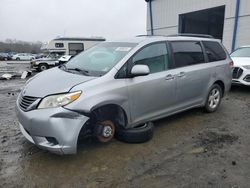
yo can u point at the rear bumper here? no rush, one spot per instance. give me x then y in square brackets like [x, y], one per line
[54, 129]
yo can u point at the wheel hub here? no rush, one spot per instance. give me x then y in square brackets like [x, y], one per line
[107, 131]
[43, 67]
[214, 98]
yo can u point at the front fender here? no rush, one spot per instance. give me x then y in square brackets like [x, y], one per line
[88, 105]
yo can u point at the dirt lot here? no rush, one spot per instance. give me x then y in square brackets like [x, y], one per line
[191, 149]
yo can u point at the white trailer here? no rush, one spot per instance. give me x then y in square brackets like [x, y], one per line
[70, 46]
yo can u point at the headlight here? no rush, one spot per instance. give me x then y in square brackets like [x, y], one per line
[247, 66]
[59, 100]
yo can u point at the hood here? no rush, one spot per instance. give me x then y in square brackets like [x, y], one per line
[53, 81]
[46, 59]
[241, 61]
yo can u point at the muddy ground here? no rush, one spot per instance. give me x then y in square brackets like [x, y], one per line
[191, 149]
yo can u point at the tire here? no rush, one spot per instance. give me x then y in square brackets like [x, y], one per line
[42, 67]
[18, 59]
[213, 99]
[104, 131]
[136, 135]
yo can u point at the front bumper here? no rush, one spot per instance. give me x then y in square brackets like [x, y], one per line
[54, 129]
[243, 79]
[33, 65]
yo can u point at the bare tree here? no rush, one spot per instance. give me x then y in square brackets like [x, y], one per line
[13, 45]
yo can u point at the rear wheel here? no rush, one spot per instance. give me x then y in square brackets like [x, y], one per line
[213, 99]
[42, 67]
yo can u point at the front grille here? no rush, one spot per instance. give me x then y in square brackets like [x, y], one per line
[26, 101]
[237, 72]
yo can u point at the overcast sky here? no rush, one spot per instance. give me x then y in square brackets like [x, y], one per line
[43, 20]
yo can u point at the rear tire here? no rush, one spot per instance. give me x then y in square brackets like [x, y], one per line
[213, 99]
[136, 135]
[42, 67]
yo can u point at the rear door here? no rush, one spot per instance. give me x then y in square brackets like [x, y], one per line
[153, 95]
[193, 73]
[219, 60]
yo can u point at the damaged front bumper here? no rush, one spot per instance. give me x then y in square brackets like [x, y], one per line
[53, 129]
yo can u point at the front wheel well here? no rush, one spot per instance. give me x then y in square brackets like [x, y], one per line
[111, 112]
[222, 85]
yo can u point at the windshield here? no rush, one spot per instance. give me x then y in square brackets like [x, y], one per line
[53, 55]
[241, 52]
[99, 59]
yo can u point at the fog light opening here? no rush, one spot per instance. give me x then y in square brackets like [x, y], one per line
[247, 78]
[52, 141]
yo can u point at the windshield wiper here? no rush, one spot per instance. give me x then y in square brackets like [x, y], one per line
[85, 72]
[62, 66]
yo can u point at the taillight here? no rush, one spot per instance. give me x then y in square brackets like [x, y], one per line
[231, 64]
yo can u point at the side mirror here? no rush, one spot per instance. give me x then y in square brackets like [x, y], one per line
[140, 70]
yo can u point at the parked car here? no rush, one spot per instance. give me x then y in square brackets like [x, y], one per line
[119, 88]
[5, 56]
[63, 59]
[45, 63]
[40, 55]
[241, 70]
[23, 56]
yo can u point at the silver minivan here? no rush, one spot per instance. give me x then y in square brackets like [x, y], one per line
[117, 88]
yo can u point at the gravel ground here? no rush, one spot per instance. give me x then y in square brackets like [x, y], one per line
[191, 149]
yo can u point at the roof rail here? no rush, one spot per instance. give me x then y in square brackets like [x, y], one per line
[150, 36]
[191, 35]
[143, 35]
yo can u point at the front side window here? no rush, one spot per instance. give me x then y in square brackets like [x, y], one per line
[100, 59]
[187, 53]
[214, 51]
[154, 56]
[241, 52]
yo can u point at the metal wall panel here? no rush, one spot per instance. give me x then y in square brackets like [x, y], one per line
[166, 17]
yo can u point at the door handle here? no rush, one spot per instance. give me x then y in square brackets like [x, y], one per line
[169, 77]
[181, 74]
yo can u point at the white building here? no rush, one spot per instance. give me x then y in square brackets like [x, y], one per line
[228, 20]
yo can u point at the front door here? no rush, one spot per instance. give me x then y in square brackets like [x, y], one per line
[153, 95]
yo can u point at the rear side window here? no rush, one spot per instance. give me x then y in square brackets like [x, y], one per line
[187, 53]
[155, 56]
[214, 51]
